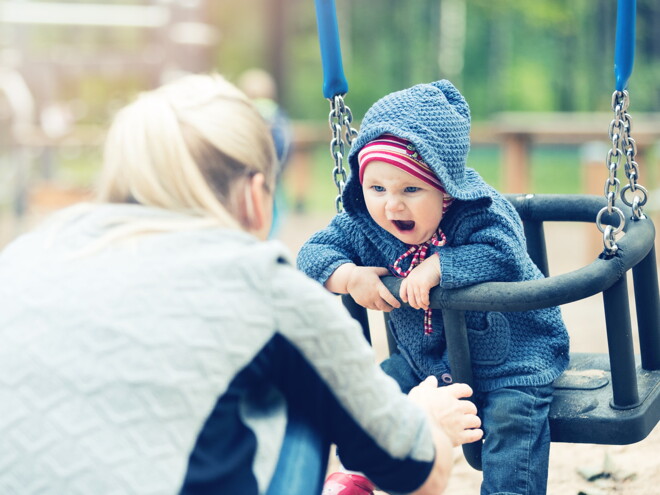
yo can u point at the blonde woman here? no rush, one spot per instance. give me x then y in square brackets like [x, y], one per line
[152, 342]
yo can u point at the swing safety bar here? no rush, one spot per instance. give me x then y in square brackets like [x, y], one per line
[602, 399]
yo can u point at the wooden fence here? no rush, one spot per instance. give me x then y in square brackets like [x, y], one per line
[516, 134]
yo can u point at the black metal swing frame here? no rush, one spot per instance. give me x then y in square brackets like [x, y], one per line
[609, 398]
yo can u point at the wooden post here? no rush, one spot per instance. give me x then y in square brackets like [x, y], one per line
[516, 163]
[298, 176]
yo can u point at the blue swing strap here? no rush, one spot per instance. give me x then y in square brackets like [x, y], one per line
[624, 52]
[334, 82]
[334, 89]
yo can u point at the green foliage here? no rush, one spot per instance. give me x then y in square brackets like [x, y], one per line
[243, 37]
[542, 55]
[546, 55]
[532, 91]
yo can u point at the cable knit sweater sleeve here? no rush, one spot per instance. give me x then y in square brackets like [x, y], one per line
[330, 248]
[485, 244]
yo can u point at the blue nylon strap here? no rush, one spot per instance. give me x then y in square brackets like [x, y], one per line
[334, 82]
[624, 53]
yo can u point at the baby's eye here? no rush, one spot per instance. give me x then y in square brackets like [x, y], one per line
[378, 188]
[411, 189]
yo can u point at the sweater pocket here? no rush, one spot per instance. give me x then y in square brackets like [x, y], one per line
[490, 345]
[405, 352]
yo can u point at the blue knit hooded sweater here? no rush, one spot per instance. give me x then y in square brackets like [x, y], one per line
[485, 242]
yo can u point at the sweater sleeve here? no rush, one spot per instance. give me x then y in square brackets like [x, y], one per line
[487, 245]
[376, 428]
[329, 248]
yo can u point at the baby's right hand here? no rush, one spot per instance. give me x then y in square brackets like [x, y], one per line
[366, 288]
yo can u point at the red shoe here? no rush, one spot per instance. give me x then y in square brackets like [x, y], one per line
[347, 484]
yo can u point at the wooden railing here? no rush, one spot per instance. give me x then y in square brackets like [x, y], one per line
[518, 132]
[515, 133]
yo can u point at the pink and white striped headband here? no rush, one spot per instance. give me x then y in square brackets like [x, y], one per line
[402, 154]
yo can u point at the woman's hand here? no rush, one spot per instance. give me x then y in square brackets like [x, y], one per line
[457, 418]
[416, 286]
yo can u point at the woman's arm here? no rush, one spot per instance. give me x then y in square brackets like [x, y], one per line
[326, 363]
[453, 422]
[438, 478]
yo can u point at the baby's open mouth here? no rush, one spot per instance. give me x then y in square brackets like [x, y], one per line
[404, 224]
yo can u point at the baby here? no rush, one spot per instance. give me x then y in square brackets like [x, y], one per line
[414, 210]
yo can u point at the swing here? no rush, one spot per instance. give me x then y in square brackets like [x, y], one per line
[611, 398]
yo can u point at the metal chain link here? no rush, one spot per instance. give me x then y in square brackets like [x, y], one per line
[340, 118]
[629, 148]
[622, 145]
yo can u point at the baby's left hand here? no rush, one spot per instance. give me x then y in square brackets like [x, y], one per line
[416, 286]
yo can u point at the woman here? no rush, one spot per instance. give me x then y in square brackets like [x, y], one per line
[151, 342]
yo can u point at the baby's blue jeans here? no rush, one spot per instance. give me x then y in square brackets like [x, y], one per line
[516, 440]
[516, 444]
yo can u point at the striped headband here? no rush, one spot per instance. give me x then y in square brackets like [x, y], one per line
[402, 154]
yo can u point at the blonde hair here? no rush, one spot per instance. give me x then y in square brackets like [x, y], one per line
[185, 147]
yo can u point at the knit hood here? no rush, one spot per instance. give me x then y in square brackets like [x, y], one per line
[436, 119]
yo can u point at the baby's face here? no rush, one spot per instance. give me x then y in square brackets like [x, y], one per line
[403, 205]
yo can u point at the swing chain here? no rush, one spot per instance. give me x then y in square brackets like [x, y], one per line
[340, 118]
[640, 194]
[622, 145]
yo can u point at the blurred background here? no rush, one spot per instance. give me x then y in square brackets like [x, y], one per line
[538, 77]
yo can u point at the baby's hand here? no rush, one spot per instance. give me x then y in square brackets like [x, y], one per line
[416, 286]
[365, 286]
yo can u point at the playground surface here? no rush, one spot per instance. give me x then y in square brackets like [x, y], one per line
[575, 469]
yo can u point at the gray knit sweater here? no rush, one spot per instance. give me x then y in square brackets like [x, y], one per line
[170, 364]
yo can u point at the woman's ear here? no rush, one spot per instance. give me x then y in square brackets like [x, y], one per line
[258, 209]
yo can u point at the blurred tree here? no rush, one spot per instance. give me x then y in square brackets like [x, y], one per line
[554, 55]
[550, 55]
